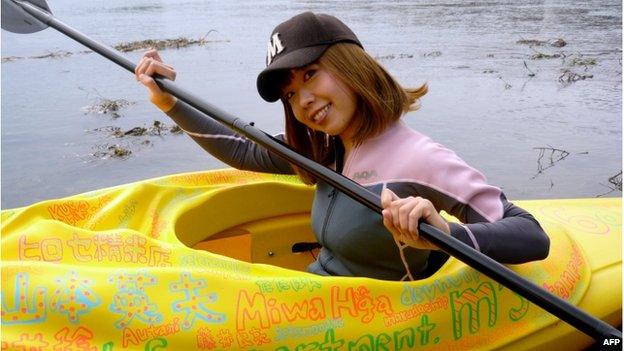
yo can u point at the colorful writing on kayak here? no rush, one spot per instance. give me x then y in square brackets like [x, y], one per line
[112, 248]
[113, 270]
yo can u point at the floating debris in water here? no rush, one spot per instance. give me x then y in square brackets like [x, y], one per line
[56, 54]
[580, 61]
[616, 180]
[130, 141]
[120, 150]
[157, 129]
[160, 44]
[531, 73]
[136, 131]
[568, 77]
[615, 184]
[113, 131]
[433, 54]
[117, 132]
[555, 155]
[507, 85]
[531, 42]
[138, 8]
[108, 106]
[543, 56]
[558, 43]
[11, 58]
[110, 151]
[392, 57]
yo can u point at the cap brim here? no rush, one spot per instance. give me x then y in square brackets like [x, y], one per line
[266, 82]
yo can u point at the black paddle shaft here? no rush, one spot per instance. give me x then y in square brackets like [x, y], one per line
[562, 309]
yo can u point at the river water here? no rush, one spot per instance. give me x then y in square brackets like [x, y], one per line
[489, 100]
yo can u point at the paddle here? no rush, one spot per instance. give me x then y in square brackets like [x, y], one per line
[30, 16]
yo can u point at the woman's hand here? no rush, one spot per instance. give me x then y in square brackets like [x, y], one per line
[150, 64]
[401, 217]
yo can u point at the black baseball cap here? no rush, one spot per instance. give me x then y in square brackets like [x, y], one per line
[298, 42]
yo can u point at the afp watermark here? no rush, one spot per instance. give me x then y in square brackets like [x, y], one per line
[611, 344]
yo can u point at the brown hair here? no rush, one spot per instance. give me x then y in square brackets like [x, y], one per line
[380, 102]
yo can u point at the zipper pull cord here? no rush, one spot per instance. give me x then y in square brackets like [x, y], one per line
[401, 246]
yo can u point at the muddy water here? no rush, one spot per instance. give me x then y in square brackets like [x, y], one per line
[483, 102]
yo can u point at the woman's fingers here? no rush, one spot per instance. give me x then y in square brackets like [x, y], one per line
[151, 63]
[388, 224]
[151, 67]
[413, 220]
[405, 211]
[399, 211]
[146, 68]
[139, 69]
[153, 53]
[402, 215]
[387, 196]
[396, 214]
[389, 203]
[149, 83]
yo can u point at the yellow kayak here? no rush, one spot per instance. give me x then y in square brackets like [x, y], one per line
[145, 266]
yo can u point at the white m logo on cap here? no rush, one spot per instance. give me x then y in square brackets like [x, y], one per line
[274, 47]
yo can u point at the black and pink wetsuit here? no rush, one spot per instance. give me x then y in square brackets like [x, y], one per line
[354, 239]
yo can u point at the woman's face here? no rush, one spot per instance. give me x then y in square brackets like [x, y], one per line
[321, 101]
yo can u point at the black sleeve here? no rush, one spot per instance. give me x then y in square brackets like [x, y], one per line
[515, 238]
[229, 147]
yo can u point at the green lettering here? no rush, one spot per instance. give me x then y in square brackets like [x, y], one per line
[469, 300]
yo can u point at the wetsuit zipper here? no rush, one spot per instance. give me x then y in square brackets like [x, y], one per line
[339, 157]
[328, 215]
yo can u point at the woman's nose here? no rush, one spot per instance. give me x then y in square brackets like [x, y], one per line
[305, 98]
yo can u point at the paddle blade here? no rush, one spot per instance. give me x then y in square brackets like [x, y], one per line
[16, 20]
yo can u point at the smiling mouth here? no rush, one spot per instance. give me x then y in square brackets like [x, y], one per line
[320, 114]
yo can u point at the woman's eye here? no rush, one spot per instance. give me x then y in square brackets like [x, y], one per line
[309, 74]
[289, 95]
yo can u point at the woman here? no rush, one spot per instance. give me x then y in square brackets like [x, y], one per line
[343, 110]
